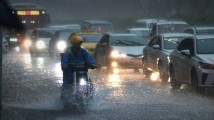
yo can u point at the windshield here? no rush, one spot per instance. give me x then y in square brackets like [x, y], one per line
[45, 34]
[171, 42]
[127, 41]
[64, 35]
[142, 33]
[205, 46]
[171, 28]
[91, 37]
[102, 27]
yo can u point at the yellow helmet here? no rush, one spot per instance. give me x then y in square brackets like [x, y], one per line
[74, 38]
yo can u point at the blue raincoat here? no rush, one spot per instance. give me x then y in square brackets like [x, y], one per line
[68, 58]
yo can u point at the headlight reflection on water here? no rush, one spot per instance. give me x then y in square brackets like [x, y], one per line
[154, 76]
[114, 80]
[58, 72]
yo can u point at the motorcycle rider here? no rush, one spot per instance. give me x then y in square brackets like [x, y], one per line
[74, 54]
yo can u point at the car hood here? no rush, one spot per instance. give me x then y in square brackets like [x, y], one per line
[207, 58]
[132, 51]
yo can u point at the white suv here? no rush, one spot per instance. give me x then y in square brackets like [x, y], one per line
[192, 62]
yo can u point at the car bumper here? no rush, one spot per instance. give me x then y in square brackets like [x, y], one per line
[207, 78]
[127, 63]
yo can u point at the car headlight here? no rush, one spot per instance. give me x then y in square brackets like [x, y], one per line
[61, 45]
[116, 54]
[83, 81]
[40, 44]
[27, 43]
[206, 65]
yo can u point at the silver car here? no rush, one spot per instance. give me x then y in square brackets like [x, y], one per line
[157, 51]
[192, 62]
[119, 50]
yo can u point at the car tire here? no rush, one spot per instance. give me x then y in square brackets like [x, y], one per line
[194, 82]
[163, 76]
[173, 82]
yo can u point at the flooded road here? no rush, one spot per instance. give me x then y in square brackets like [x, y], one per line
[31, 91]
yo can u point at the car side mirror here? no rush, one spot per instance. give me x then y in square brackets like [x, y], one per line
[186, 53]
[156, 46]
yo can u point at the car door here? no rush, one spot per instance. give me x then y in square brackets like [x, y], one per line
[183, 62]
[101, 50]
[155, 53]
[149, 52]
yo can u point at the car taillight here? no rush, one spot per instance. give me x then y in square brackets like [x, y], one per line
[206, 65]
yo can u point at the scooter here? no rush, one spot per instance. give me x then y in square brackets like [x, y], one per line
[80, 93]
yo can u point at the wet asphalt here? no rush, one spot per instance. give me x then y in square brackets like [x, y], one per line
[31, 90]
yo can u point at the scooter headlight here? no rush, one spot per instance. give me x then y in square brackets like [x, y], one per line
[83, 82]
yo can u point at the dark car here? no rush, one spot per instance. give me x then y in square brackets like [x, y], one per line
[40, 41]
[119, 50]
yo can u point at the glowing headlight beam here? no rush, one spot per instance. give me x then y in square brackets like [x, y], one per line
[83, 81]
[115, 54]
[40, 44]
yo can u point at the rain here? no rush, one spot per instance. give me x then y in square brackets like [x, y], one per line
[31, 83]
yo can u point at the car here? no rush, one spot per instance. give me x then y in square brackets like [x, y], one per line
[144, 23]
[156, 53]
[200, 30]
[40, 38]
[167, 26]
[59, 42]
[143, 32]
[119, 50]
[100, 26]
[192, 62]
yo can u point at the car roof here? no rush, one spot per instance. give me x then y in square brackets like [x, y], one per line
[201, 27]
[146, 20]
[25, 6]
[162, 22]
[122, 34]
[176, 34]
[97, 22]
[138, 29]
[204, 36]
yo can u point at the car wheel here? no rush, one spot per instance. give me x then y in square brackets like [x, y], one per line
[173, 82]
[194, 82]
[163, 75]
